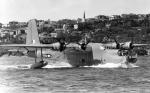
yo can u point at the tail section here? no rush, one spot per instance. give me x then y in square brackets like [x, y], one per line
[32, 33]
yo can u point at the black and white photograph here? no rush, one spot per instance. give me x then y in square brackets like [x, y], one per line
[74, 46]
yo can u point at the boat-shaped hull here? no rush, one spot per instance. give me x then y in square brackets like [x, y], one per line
[78, 57]
[94, 55]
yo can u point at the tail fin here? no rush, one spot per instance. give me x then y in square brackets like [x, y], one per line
[32, 33]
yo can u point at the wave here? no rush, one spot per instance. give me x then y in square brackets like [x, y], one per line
[67, 65]
[9, 67]
[58, 64]
[114, 65]
[50, 65]
[61, 63]
[121, 64]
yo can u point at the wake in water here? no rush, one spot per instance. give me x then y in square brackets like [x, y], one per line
[61, 63]
[50, 65]
[114, 65]
[9, 67]
[122, 64]
[58, 65]
[13, 62]
[67, 65]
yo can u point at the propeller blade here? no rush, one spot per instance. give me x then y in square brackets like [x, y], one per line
[116, 40]
[132, 40]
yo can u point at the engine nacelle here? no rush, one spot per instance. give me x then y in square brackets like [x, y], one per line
[127, 45]
[118, 46]
[113, 46]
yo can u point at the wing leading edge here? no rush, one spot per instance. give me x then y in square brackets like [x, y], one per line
[32, 45]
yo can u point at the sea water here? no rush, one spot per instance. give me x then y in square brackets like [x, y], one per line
[59, 77]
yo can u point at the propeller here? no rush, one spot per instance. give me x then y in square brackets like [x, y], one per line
[131, 46]
[118, 45]
[60, 45]
[126, 45]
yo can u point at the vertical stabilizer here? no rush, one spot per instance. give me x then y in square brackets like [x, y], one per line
[32, 33]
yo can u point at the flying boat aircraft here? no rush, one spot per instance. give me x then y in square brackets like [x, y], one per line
[76, 54]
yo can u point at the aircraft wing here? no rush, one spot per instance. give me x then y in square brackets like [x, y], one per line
[31, 45]
[139, 45]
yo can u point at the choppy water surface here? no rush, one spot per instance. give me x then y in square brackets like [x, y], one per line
[15, 77]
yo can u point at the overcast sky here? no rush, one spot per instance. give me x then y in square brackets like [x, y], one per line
[23, 10]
